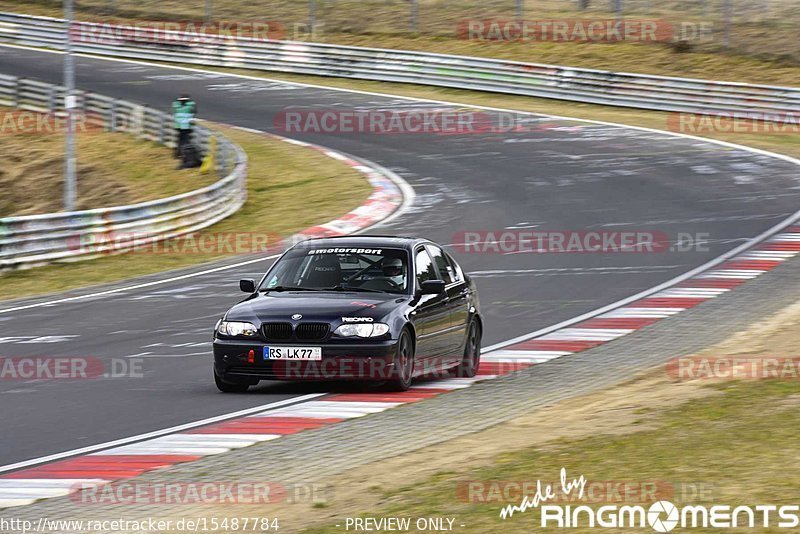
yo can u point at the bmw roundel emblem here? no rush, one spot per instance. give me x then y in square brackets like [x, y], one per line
[297, 316]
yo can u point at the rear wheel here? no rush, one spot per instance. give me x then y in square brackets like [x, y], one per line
[403, 370]
[230, 387]
[472, 352]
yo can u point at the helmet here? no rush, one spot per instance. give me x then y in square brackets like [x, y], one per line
[392, 267]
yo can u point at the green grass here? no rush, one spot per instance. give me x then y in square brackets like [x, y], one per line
[739, 446]
[290, 188]
[113, 169]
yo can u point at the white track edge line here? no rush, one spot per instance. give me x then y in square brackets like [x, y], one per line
[648, 292]
[750, 243]
[158, 433]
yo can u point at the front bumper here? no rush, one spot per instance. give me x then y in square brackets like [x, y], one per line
[233, 361]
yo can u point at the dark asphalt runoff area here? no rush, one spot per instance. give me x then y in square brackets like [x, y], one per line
[561, 176]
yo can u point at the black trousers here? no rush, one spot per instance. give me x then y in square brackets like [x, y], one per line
[184, 138]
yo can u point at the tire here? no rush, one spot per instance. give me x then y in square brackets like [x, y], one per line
[472, 352]
[403, 372]
[230, 387]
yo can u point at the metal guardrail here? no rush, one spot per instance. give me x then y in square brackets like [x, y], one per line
[39, 239]
[548, 81]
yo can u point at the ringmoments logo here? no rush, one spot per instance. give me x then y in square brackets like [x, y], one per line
[660, 516]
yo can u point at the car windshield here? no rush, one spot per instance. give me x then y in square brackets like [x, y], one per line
[340, 269]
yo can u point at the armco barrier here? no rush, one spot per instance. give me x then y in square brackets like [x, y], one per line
[39, 239]
[548, 81]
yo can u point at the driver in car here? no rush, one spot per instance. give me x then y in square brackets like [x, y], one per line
[394, 271]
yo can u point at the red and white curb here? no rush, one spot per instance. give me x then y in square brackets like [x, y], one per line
[67, 476]
[642, 313]
[389, 197]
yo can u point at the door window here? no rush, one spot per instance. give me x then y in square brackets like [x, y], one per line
[425, 269]
[445, 269]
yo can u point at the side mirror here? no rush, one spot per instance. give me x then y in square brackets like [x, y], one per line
[433, 287]
[247, 286]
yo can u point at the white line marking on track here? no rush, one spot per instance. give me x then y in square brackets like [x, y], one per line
[740, 274]
[533, 356]
[169, 449]
[33, 493]
[12, 503]
[196, 443]
[157, 433]
[48, 482]
[244, 437]
[690, 292]
[587, 334]
[641, 313]
[771, 255]
[786, 238]
[455, 383]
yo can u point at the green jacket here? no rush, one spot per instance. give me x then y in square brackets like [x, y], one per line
[183, 114]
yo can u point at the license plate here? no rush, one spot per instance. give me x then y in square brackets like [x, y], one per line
[293, 353]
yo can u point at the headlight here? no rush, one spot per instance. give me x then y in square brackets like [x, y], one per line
[235, 328]
[362, 330]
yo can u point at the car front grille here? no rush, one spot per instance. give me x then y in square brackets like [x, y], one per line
[277, 331]
[303, 331]
[312, 331]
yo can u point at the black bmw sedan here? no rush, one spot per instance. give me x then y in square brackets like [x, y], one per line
[384, 309]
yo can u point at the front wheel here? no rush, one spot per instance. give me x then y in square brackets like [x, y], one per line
[230, 387]
[403, 365]
[472, 352]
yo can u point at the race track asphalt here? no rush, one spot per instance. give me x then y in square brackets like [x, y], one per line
[558, 175]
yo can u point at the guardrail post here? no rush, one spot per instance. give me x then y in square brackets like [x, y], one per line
[221, 156]
[162, 134]
[520, 9]
[112, 116]
[415, 15]
[52, 99]
[15, 93]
